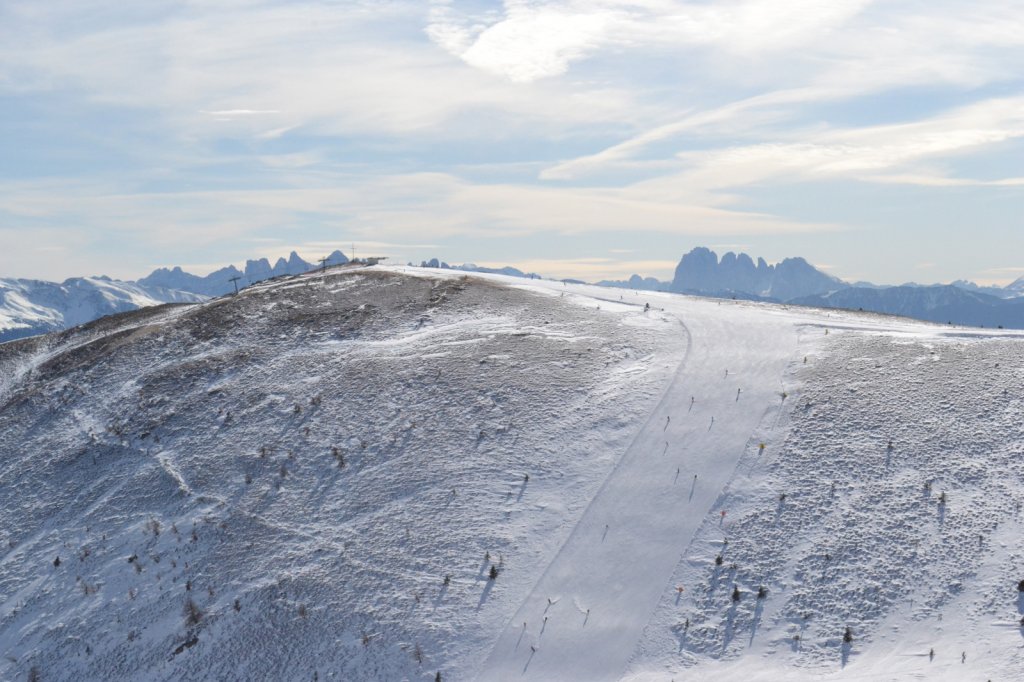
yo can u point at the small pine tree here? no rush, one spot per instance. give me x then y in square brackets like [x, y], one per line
[762, 592]
[848, 635]
[735, 593]
[493, 574]
[1020, 586]
[719, 560]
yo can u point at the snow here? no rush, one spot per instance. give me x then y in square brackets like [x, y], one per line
[614, 564]
[326, 449]
[30, 307]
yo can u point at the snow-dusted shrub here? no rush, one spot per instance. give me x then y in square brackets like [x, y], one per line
[193, 614]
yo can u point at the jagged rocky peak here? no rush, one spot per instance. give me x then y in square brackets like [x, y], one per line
[257, 270]
[701, 271]
[295, 265]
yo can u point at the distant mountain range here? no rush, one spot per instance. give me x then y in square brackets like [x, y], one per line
[796, 281]
[472, 267]
[219, 282]
[940, 303]
[30, 307]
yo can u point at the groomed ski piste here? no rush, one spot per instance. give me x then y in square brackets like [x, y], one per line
[394, 473]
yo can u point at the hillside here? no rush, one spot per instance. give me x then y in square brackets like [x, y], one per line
[306, 462]
[314, 479]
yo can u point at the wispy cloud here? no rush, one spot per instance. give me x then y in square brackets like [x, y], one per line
[241, 112]
[590, 269]
[534, 40]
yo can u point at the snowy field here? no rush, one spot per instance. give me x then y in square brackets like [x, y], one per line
[317, 479]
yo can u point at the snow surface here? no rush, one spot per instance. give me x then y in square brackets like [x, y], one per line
[308, 461]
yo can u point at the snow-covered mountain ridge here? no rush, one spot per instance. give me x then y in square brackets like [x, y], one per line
[315, 478]
[30, 307]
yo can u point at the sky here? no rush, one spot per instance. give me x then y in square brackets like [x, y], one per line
[882, 141]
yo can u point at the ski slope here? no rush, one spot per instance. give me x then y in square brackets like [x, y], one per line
[587, 612]
[316, 478]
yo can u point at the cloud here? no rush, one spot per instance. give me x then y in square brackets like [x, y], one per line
[330, 68]
[867, 150]
[241, 112]
[887, 154]
[530, 42]
[401, 210]
[590, 269]
[534, 40]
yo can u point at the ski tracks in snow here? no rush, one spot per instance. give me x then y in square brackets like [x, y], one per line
[615, 564]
